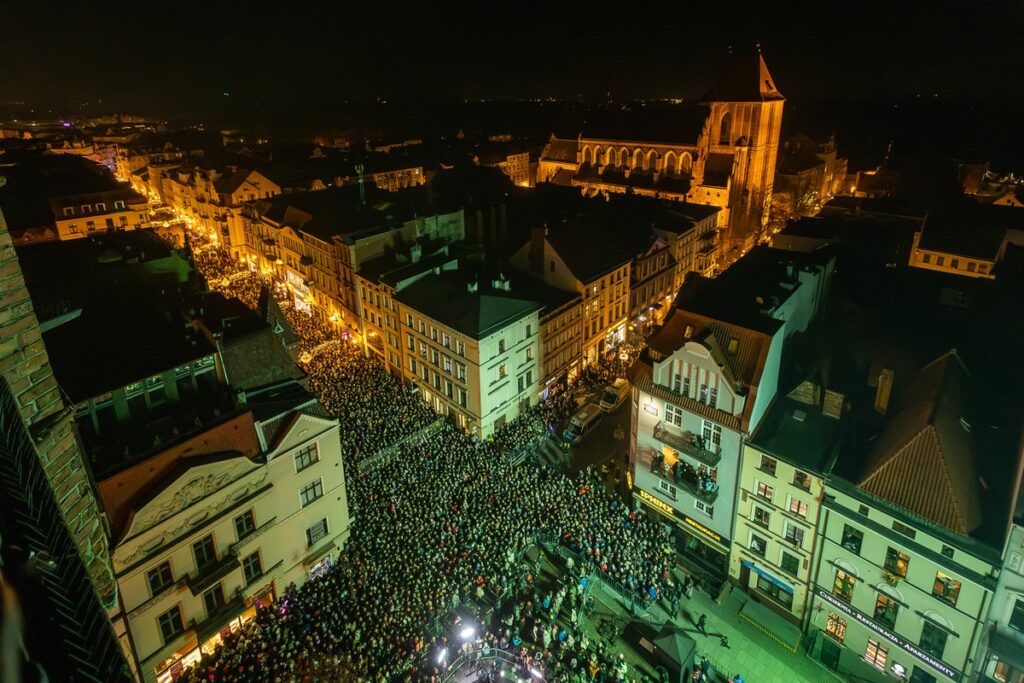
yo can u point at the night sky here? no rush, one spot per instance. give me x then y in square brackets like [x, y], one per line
[183, 55]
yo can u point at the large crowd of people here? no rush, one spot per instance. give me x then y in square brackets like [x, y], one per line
[445, 521]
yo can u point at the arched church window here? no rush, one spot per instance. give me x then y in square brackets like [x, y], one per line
[724, 129]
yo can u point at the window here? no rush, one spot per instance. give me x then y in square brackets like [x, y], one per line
[160, 577]
[954, 263]
[460, 371]
[501, 346]
[762, 516]
[922, 676]
[245, 524]
[673, 415]
[316, 532]
[551, 266]
[933, 639]
[433, 333]
[712, 434]
[306, 457]
[1017, 615]
[422, 327]
[213, 599]
[171, 623]
[768, 465]
[789, 563]
[311, 491]
[982, 267]
[119, 204]
[529, 331]
[688, 332]
[876, 655]
[798, 507]
[764, 491]
[86, 208]
[252, 567]
[448, 364]
[927, 258]
[774, 591]
[946, 587]
[434, 358]
[408, 320]
[708, 510]
[842, 587]
[204, 552]
[90, 225]
[462, 397]
[802, 480]
[852, 538]
[940, 261]
[73, 227]
[794, 534]
[681, 384]
[758, 545]
[522, 383]
[947, 551]
[501, 371]
[886, 610]
[529, 353]
[863, 509]
[448, 389]
[412, 365]
[835, 626]
[667, 488]
[896, 563]
[904, 529]
[412, 342]
[69, 211]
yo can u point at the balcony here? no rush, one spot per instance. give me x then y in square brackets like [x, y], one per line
[686, 442]
[696, 483]
[202, 579]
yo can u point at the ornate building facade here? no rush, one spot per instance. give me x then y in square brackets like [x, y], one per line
[722, 153]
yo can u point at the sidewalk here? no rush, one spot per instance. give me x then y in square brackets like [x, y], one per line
[750, 653]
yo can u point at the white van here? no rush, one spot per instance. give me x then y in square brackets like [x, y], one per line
[581, 423]
[614, 395]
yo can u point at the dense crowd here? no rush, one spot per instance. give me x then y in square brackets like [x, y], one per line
[444, 522]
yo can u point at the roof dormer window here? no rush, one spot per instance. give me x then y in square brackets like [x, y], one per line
[734, 344]
[69, 211]
[688, 334]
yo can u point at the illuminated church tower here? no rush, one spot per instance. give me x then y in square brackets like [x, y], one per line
[745, 123]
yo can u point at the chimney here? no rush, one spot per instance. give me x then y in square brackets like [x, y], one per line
[537, 249]
[415, 252]
[472, 286]
[884, 391]
[501, 283]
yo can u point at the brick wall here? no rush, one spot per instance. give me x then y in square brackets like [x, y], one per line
[26, 368]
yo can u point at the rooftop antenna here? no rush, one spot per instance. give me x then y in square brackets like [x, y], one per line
[362, 187]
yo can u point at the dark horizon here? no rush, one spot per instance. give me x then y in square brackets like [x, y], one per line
[186, 56]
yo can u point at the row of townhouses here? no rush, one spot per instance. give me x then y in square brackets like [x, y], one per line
[836, 459]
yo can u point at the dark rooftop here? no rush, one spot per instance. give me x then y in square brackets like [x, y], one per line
[969, 228]
[798, 433]
[336, 211]
[447, 299]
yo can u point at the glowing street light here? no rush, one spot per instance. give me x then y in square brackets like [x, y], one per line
[467, 633]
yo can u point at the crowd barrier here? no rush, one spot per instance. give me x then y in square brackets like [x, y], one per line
[385, 456]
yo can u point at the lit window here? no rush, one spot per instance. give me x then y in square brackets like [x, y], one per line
[852, 538]
[734, 344]
[946, 588]
[501, 371]
[876, 654]
[758, 545]
[252, 567]
[798, 507]
[896, 563]
[768, 465]
[835, 626]
[711, 435]
[843, 585]
[802, 480]
[764, 491]
[762, 516]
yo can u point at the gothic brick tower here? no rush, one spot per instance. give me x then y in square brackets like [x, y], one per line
[745, 121]
[36, 401]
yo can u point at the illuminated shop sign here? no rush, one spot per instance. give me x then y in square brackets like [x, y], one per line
[670, 511]
[912, 648]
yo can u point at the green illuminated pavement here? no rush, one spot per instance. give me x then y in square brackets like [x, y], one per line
[754, 655]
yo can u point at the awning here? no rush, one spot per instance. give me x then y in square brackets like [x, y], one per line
[768, 577]
[1007, 648]
[317, 554]
[771, 624]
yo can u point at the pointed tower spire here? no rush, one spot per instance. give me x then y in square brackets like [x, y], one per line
[743, 77]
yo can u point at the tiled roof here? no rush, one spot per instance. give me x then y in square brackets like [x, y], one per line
[923, 461]
[125, 492]
[560, 150]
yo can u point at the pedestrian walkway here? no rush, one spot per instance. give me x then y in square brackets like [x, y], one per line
[744, 649]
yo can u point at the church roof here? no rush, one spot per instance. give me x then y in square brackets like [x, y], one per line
[744, 77]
